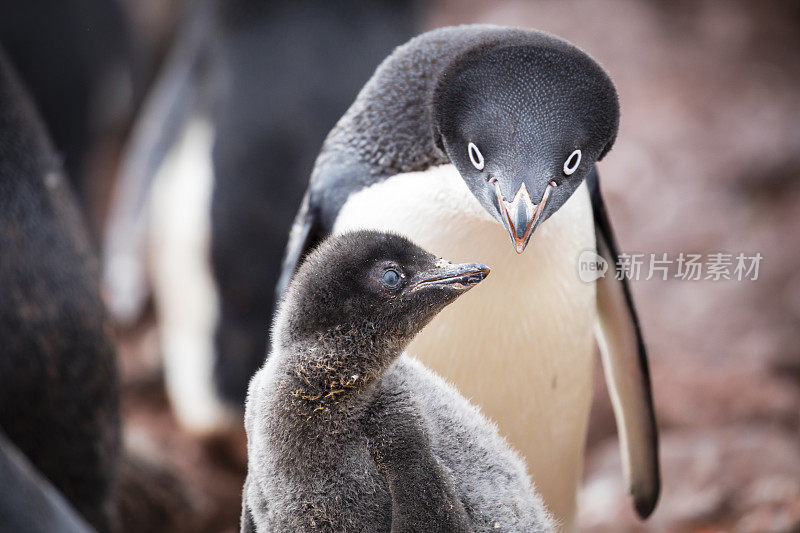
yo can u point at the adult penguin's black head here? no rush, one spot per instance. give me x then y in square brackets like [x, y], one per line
[524, 122]
[370, 290]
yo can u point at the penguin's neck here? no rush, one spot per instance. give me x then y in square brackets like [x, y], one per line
[331, 378]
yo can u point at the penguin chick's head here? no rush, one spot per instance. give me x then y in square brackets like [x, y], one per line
[370, 291]
[524, 122]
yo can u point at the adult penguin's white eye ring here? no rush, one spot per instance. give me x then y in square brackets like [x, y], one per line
[475, 156]
[572, 162]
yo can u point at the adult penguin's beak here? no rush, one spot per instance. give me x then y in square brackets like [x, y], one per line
[520, 216]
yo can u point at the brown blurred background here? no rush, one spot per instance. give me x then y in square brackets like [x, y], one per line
[707, 160]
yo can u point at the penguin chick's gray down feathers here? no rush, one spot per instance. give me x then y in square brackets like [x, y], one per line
[346, 433]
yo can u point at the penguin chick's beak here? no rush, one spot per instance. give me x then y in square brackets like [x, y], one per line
[461, 277]
[520, 215]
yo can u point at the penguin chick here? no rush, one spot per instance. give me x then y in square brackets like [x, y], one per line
[346, 433]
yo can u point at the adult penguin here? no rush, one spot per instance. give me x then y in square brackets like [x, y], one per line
[227, 139]
[59, 397]
[459, 134]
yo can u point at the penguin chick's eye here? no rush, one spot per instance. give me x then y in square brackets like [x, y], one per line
[475, 156]
[572, 162]
[391, 278]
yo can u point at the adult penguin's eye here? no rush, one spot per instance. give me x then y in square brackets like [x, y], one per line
[475, 156]
[572, 162]
[391, 278]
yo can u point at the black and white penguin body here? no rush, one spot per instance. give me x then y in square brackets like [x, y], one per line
[345, 433]
[58, 377]
[462, 135]
[228, 140]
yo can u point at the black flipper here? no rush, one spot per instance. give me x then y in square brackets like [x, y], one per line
[164, 114]
[625, 366]
[28, 502]
[336, 175]
[306, 233]
[423, 496]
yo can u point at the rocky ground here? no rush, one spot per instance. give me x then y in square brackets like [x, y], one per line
[707, 160]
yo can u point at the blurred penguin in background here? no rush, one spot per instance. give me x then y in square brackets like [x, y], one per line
[227, 139]
[59, 397]
[75, 58]
[28, 502]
